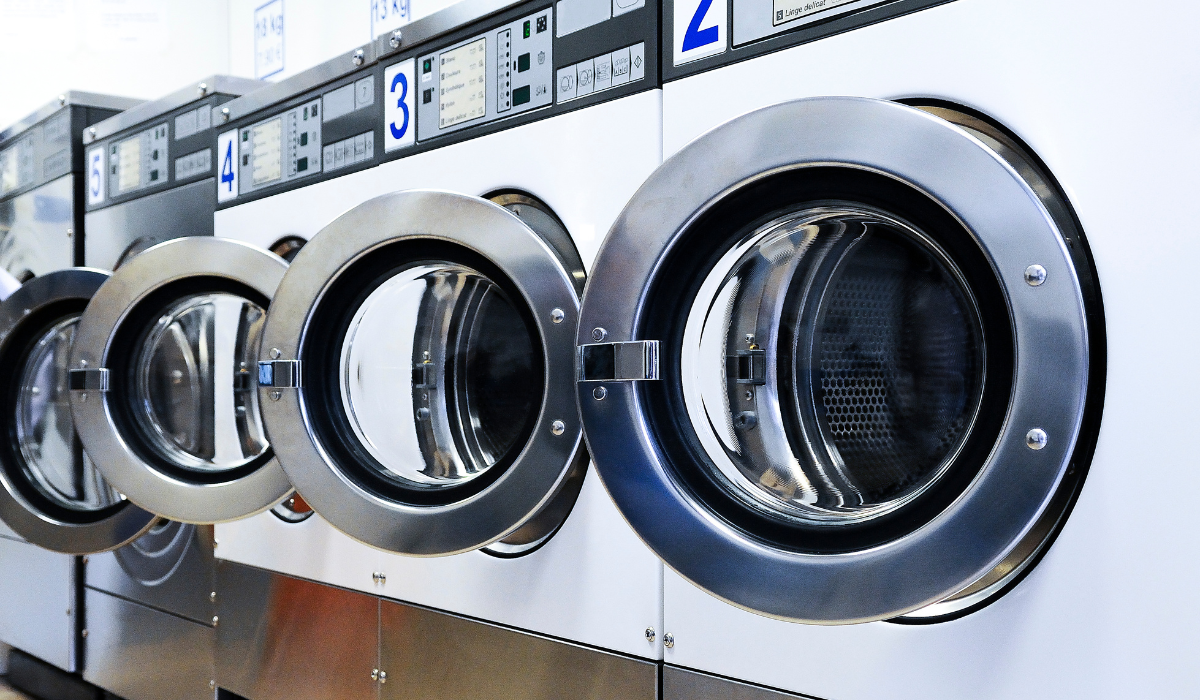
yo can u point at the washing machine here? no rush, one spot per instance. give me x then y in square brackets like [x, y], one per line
[41, 235]
[901, 326]
[510, 135]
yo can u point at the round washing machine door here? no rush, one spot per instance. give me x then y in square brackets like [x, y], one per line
[417, 372]
[851, 351]
[52, 494]
[162, 380]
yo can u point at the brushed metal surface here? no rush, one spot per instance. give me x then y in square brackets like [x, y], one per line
[139, 653]
[214, 85]
[429, 655]
[76, 98]
[170, 568]
[683, 684]
[274, 93]
[34, 229]
[283, 638]
[440, 23]
[37, 602]
[174, 213]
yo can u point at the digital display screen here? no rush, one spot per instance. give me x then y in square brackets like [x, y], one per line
[129, 161]
[266, 143]
[463, 76]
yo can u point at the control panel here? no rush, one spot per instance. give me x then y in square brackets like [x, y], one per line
[139, 161]
[505, 71]
[37, 156]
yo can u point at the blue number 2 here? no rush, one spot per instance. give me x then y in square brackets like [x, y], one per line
[227, 166]
[402, 81]
[695, 37]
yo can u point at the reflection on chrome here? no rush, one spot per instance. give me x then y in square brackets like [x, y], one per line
[54, 462]
[839, 366]
[194, 386]
[438, 375]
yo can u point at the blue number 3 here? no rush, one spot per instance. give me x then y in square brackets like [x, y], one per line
[403, 82]
[695, 37]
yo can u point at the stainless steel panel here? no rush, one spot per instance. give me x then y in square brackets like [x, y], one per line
[282, 638]
[440, 23]
[274, 93]
[182, 211]
[212, 85]
[37, 229]
[432, 655]
[140, 653]
[37, 602]
[67, 99]
[682, 684]
[170, 568]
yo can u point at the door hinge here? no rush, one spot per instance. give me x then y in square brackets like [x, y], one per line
[280, 374]
[88, 379]
[631, 361]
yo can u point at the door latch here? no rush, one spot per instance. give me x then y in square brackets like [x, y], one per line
[279, 374]
[631, 361]
[88, 379]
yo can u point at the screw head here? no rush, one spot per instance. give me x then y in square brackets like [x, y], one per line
[212, 597]
[359, 58]
[276, 395]
[92, 131]
[649, 634]
[558, 427]
[395, 39]
[1035, 275]
[83, 633]
[202, 88]
[62, 100]
[382, 677]
[275, 353]
[224, 114]
[557, 315]
[374, 674]
[212, 684]
[215, 620]
[1036, 439]
[599, 334]
[669, 640]
[599, 393]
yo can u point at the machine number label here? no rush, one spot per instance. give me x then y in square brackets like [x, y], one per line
[227, 154]
[95, 180]
[399, 106]
[700, 29]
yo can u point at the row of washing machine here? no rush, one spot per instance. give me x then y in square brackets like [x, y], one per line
[503, 312]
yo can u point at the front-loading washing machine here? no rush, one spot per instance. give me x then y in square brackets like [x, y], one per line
[41, 235]
[873, 457]
[151, 179]
[413, 363]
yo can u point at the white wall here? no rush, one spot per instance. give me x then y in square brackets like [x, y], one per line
[135, 48]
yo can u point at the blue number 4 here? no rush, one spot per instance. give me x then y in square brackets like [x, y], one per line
[695, 37]
[402, 81]
[227, 166]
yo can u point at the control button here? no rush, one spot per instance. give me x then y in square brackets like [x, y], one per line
[360, 148]
[369, 144]
[364, 92]
[603, 65]
[327, 154]
[637, 61]
[620, 7]
[620, 66]
[566, 83]
[585, 77]
[339, 154]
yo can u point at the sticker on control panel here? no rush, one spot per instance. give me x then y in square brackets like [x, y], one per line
[700, 29]
[227, 156]
[399, 105]
[95, 179]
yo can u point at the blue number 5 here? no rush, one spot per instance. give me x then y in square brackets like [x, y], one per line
[695, 37]
[403, 82]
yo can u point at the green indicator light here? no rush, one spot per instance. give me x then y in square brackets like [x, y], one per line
[525, 29]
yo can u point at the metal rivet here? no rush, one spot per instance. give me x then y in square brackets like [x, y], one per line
[62, 100]
[382, 677]
[599, 334]
[92, 131]
[599, 393]
[275, 353]
[396, 38]
[557, 315]
[276, 395]
[86, 559]
[202, 88]
[668, 640]
[558, 427]
[374, 674]
[70, 232]
[224, 114]
[83, 396]
[1036, 439]
[359, 57]
[379, 577]
[215, 620]
[649, 634]
[212, 684]
[212, 597]
[84, 633]
[1035, 275]
[216, 542]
